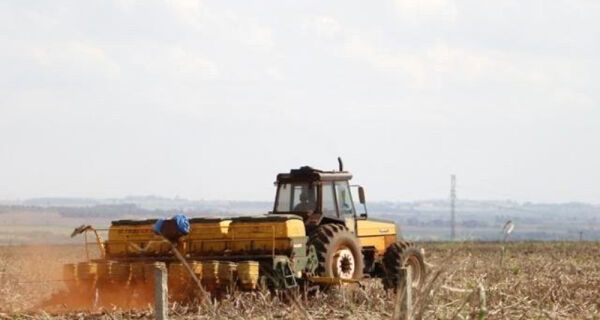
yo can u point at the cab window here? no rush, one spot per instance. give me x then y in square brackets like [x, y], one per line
[328, 200]
[299, 197]
[344, 199]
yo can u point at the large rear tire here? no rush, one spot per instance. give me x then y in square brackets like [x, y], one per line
[338, 252]
[399, 255]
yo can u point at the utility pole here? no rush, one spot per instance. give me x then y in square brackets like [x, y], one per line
[452, 206]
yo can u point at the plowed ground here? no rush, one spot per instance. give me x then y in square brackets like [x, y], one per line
[466, 281]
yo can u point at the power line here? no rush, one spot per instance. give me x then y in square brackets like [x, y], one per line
[452, 206]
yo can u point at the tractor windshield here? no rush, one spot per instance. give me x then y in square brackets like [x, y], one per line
[296, 197]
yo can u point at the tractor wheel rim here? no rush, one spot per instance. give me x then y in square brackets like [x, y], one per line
[415, 265]
[344, 264]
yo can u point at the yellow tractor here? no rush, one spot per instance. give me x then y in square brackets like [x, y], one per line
[313, 235]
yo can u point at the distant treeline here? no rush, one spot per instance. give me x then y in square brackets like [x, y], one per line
[20, 208]
[108, 210]
[113, 211]
[427, 220]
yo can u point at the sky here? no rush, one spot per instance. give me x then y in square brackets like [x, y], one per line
[211, 99]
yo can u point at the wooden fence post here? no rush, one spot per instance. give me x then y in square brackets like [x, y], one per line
[407, 312]
[161, 304]
[403, 308]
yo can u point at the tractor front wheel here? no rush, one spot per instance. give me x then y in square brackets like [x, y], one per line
[338, 252]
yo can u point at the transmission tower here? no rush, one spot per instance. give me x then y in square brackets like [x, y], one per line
[452, 206]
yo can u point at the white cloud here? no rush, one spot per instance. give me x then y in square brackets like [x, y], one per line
[440, 63]
[252, 34]
[126, 5]
[176, 62]
[76, 57]
[434, 85]
[188, 11]
[427, 11]
[226, 23]
[324, 27]
[186, 62]
[274, 73]
[412, 67]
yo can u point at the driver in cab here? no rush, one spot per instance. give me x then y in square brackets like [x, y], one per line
[307, 201]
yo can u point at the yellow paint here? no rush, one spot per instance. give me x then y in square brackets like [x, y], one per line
[290, 228]
[373, 241]
[243, 236]
[376, 234]
[209, 230]
[248, 272]
[375, 228]
[87, 271]
[135, 240]
[207, 238]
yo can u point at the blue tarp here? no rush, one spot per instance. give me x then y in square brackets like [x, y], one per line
[182, 222]
[158, 226]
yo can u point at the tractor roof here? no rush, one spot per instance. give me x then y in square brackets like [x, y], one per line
[309, 174]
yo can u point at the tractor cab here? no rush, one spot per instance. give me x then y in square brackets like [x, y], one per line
[318, 196]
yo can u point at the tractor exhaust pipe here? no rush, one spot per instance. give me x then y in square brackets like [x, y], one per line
[340, 164]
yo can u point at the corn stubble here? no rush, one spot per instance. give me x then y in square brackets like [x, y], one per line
[465, 281]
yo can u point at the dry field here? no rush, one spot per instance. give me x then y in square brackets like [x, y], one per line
[466, 281]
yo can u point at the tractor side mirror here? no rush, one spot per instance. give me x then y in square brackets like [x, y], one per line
[361, 195]
[363, 202]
